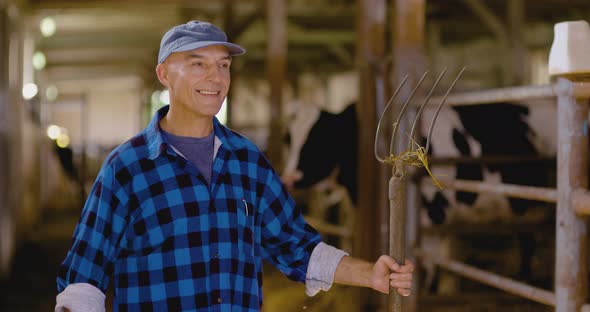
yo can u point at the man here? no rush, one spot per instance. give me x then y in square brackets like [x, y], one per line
[183, 214]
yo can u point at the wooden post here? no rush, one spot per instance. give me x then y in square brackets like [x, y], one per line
[408, 38]
[84, 138]
[277, 67]
[516, 26]
[571, 279]
[228, 26]
[496, 25]
[5, 166]
[372, 206]
[11, 181]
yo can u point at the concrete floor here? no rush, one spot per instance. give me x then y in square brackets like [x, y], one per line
[31, 284]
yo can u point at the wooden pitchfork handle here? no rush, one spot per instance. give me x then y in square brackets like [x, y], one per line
[397, 225]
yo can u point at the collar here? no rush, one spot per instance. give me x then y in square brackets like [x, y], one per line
[157, 145]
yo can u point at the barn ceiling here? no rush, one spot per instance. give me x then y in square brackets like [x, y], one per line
[111, 38]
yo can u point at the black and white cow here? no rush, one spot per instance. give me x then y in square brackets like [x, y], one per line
[322, 142]
[498, 130]
[329, 141]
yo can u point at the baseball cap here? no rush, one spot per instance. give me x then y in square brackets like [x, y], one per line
[194, 35]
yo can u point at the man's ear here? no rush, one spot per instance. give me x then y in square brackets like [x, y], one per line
[162, 73]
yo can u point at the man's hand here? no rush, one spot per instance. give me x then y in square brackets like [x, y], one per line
[387, 272]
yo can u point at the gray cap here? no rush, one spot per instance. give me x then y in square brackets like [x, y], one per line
[194, 35]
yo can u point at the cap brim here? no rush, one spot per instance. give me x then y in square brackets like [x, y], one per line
[233, 48]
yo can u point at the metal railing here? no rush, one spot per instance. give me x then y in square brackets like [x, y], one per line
[571, 196]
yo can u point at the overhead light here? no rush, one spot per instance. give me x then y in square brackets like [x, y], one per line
[53, 132]
[51, 93]
[165, 97]
[29, 91]
[63, 140]
[39, 60]
[47, 26]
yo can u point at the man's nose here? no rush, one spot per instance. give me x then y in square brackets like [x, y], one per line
[214, 73]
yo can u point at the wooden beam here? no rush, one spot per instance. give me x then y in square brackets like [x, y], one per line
[228, 26]
[516, 27]
[7, 207]
[372, 189]
[76, 72]
[256, 35]
[82, 55]
[239, 26]
[498, 28]
[277, 57]
[102, 40]
[408, 44]
[11, 158]
[74, 5]
[489, 19]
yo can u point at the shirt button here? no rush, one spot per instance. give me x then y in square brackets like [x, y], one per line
[217, 256]
[219, 300]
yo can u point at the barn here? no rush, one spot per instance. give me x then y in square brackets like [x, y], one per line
[348, 101]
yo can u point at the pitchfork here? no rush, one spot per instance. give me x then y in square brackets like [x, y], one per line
[414, 155]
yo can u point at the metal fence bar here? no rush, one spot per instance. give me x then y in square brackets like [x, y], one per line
[491, 279]
[485, 160]
[511, 94]
[571, 196]
[571, 279]
[520, 191]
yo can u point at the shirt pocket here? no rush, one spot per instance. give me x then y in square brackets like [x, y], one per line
[246, 226]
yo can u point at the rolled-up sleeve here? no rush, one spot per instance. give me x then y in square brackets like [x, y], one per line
[80, 297]
[322, 268]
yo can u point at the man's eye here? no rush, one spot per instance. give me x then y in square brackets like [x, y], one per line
[197, 64]
[224, 65]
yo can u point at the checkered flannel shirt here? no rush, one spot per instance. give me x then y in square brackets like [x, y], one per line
[173, 243]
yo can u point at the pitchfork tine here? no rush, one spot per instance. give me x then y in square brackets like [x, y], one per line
[401, 113]
[442, 102]
[381, 160]
[422, 107]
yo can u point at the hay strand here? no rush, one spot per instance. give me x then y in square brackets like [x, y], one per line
[413, 157]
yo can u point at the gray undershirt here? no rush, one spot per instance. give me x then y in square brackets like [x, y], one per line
[199, 151]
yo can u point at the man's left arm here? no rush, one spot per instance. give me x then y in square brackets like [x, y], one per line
[328, 265]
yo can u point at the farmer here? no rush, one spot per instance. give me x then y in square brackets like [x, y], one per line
[182, 215]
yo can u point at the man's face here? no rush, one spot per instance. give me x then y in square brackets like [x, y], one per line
[198, 80]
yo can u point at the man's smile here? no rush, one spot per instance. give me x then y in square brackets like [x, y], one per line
[207, 92]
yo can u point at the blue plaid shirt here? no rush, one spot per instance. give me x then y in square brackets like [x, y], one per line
[174, 243]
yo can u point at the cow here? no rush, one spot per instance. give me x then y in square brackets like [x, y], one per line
[475, 130]
[330, 144]
[499, 130]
